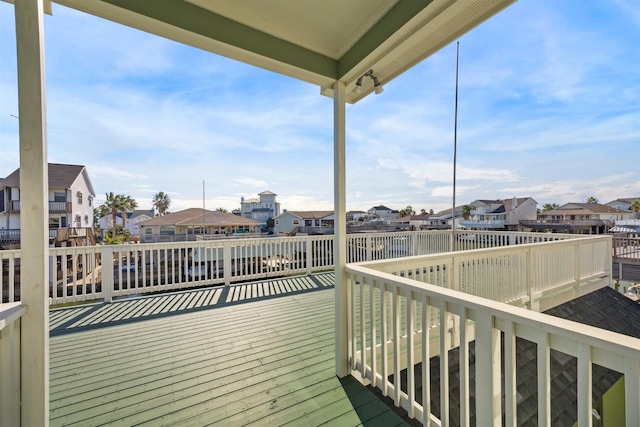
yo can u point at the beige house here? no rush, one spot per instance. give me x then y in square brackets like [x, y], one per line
[189, 223]
[289, 221]
[582, 218]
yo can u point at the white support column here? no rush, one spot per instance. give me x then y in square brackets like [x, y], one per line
[34, 213]
[340, 230]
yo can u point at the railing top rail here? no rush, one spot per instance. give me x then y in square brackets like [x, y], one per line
[9, 312]
[475, 253]
[578, 332]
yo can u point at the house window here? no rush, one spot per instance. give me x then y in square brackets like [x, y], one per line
[148, 232]
[277, 222]
[78, 221]
[54, 223]
[86, 219]
[296, 222]
[167, 231]
[79, 194]
[59, 197]
[90, 200]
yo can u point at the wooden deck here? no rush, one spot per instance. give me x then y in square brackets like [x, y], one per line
[252, 354]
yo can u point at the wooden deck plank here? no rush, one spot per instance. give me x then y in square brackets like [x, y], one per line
[256, 337]
[156, 368]
[268, 361]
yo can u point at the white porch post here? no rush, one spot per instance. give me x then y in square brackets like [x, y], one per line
[340, 229]
[34, 213]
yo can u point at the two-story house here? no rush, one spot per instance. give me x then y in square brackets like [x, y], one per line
[71, 197]
[581, 218]
[260, 209]
[383, 212]
[504, 214]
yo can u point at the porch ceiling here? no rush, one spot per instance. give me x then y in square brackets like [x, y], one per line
[319, 42]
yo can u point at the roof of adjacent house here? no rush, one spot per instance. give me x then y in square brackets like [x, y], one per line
[60, 176]
[446, 212]
[604, 308]
[629, 200]
[308, 214]
[381, 208]
[199, 216]
[267, 193]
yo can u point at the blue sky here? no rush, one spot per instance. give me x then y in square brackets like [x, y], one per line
[549, 107]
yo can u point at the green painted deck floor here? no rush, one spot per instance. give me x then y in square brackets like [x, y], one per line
[206, 357]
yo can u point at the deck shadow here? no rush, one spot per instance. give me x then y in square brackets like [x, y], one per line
[134, 309]
[371, 409]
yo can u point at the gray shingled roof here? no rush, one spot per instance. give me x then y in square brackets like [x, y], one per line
[60, 176]
[604, 308]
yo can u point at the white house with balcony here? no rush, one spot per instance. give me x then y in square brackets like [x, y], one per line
[260, 209]
[70, 200]
[504, 214]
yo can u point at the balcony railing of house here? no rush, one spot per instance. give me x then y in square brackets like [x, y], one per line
[496, 223]
[10, 368]
[84, 273]
[572, 222]
[56, 234]
[406, 311]
[54, 207]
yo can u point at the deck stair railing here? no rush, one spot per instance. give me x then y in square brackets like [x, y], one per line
[404, 312]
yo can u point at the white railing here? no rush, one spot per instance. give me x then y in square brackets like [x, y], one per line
[627, 247]
[85, 273]
[397, 322]
[10, 336]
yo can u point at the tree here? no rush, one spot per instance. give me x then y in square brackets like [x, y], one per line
[430, 211]
[466, 211]
[635, 206]
[128, 205]
[549, 206]
[161, 202]
[222, 210]
[407, 211]
[113, 204]
[592, 200]
[423, 212]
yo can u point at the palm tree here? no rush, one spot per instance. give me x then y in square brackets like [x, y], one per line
[466, 211]
[549, 206]
[407, 211]
[113, 204]
[635, 206]
[223, 210]
[592, 200]
[161, 202]
[423, 211]
[128, 205]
